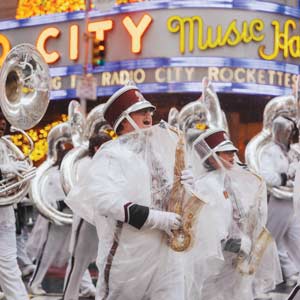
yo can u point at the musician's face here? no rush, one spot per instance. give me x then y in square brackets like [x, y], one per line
[227, 158]
[2, 127]
[142, 118]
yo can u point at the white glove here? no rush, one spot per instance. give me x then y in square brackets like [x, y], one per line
[163, 220]
[187, 179]
[246, 245]
[14, 167]
[292, 169]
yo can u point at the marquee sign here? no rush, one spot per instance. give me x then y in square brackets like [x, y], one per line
[246, 51]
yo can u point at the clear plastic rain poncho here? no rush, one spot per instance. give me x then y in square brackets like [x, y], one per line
[136, 264]
[237, 201]
[56, 237]
[280, 156]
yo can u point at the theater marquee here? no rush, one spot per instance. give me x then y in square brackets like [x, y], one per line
[166, 50]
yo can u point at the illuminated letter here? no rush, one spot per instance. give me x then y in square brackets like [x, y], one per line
[100, 27]
[73, 47]
[189, 72]
[106, 77]
[52, 57]
[256, 25]
[124, 76]
[287, 79]
[177, 24]
[139, 76]
[294, 46]
[261, 76]
[251, 76]
[281, 40]
[160, 75]
[5, 44]
[73, 81]
[237, 73]
[136, 32]
[213, 73]
[56, 83]
[226, 74]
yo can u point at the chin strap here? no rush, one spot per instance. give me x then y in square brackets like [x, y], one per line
[132, 123]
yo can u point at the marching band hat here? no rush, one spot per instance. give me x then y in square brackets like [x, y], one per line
[124, 101]
[216, 139]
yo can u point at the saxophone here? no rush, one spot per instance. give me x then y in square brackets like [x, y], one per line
[250, 265]
[181, 203]
[261, 239]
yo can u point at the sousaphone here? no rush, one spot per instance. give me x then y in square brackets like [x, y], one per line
[24, 98]
[281, 105]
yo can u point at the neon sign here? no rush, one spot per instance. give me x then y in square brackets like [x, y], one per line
[220, 37]
[99, 28]
[284, 42]
[193, 33]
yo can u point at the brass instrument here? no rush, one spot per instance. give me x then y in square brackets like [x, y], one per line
[250, 265]
[67, 132]
[186, 206]
[216, 117]
[24, 92]
[94, 122]
[282, 105]
[205, 112]
[173, 116]
[59, 133]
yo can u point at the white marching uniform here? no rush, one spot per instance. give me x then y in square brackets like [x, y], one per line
[83, 250]
[133, 264]
[10, 274]
[50, 247]
[83, 253]
[226, 280]
[22, 255]
[282, 223]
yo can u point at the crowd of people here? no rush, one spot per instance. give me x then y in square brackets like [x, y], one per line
[165, 213]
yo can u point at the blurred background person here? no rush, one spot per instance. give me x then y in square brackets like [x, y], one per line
[279, 171]
[10, 274]
[84, 239]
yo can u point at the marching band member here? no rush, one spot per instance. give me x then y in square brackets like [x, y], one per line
[126, 194]
[238, 199]
[54, 239]
[84, 239]
[10, 274]
[25, 263]
[278, 171]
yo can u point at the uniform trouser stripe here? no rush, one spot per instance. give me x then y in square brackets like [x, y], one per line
[72, 257]
[40, 257]
[111, 255]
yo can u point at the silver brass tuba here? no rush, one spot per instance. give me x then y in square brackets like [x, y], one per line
[173, 116]
[95, 121]
[67, 132]
[282, 105]
[216, 117]
[24, 92]
[59, 133]
[203, 113]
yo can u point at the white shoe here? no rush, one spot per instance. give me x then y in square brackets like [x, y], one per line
[36, 290]
[88, 293]
[263, 296]
[27, 270]
[2, 296]
[292, 280]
